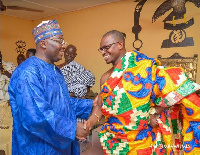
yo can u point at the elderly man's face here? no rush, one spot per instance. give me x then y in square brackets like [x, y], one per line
[55, 48]
[70, 54]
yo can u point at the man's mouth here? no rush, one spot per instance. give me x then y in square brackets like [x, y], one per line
[106, 57]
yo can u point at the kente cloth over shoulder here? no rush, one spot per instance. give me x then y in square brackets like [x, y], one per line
[137, 84]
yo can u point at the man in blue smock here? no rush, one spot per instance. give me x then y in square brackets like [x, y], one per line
[44, 115]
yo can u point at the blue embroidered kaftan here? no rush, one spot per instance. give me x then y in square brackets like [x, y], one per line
[44, 115]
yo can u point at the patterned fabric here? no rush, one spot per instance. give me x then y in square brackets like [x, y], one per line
[5, 117]
[8, 66]
[46, 29]
[136, 84]
[44, 115]
[77, 78]
[4, 81]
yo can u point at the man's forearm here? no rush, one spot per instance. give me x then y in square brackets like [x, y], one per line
[95, 116]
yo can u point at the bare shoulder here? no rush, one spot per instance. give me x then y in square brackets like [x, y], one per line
[106, 75]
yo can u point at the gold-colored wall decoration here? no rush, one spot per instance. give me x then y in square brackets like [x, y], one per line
[20, 47]
[189, 64]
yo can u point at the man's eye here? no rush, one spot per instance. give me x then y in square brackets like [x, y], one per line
[106, 47]
[103, 48]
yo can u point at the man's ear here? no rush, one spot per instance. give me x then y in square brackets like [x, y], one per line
[43, 44]
[120, 45]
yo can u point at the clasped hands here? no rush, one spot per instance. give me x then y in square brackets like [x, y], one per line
[83, 129]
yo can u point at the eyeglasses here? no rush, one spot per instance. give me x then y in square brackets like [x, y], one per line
[59, 40]
[106, 47]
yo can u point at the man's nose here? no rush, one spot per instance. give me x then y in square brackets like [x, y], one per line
[64, 45]
[103, 51]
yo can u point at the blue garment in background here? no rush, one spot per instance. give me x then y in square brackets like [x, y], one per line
[44, 115]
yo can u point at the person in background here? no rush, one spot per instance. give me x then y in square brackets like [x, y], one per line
[78, 79]
[30, 52]
[6, 69]
[20, 58]
[44, 114]
[141, 102]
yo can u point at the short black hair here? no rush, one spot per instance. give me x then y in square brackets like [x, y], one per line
[124, 34]
[116, 34]
[21, 55]
[32, 50]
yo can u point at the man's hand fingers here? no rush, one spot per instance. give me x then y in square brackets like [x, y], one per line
[85, 125]
[153, 121]
[80, 138]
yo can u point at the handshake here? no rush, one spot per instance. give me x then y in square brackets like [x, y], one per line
[83, 129]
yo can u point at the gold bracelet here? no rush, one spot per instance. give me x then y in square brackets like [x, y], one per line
[97, 117]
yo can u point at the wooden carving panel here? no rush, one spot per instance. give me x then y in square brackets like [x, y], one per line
[189, 64]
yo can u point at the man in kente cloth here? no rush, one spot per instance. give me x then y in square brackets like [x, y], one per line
[142, 102]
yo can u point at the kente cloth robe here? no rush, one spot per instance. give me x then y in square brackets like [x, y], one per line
[44, 115]
[136, 84]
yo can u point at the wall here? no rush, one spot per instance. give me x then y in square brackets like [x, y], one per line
[11, 30]
[84, 28]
